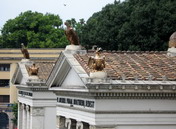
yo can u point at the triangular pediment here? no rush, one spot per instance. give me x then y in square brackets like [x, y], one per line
[17, 77]
[66, 73]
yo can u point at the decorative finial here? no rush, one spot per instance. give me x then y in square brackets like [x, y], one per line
[123, 77]
[164, 78]
[150, 77]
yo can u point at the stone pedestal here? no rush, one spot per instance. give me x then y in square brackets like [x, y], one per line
[98, 74]
[72, 47]
[171, 52]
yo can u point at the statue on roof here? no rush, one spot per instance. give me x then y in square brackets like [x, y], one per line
[71, 35]
[97, 63]
[33, 70]
[24, 51]
[172, 40]
[172, 45]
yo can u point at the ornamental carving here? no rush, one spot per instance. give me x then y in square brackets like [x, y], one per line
[37, 111]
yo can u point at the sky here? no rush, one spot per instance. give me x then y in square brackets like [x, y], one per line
[66, 9]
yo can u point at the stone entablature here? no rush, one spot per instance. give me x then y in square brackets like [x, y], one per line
[132, 87]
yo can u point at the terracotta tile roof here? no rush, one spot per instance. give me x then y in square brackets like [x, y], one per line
[45, 69]
[132, 65]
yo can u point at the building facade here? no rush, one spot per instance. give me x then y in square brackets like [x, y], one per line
[136, 90]
[8, 63]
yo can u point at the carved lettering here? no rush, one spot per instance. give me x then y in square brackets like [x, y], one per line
[79, 102]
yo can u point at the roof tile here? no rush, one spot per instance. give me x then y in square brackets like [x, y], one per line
[132, 64]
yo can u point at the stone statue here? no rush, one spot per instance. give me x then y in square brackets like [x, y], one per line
[172, 40]
[33, 70]
[97, 63]
[71, 35]
[24, 52]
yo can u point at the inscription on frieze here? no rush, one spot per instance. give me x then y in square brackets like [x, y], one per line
[79, 102]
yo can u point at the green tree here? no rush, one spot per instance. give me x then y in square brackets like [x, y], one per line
[132, 25]
[15, 113]
[34, 30]
[1, 41]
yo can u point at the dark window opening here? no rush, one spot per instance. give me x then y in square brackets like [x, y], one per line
[4, 67]
[4, 99]
[4, 82]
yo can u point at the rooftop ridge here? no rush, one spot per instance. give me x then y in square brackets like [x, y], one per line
[120, 51]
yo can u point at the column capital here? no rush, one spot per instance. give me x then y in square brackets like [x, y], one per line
[23, 106]
[79, 125]
[27, 108]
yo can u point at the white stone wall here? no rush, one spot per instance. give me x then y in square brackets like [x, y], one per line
[50, 118]
[135, 105]
[37, 111]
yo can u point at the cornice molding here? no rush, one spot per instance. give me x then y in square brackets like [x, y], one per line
[117, 112]
[133, 87]
[119, 94]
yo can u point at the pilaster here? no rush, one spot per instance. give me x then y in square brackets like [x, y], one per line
[28, 116]
[24, 116]
[68, 123]
[60, 122]
[37, 118]
[20, 115]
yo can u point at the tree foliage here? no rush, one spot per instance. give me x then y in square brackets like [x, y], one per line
[34, 30]
[132, 25]
[15, 113]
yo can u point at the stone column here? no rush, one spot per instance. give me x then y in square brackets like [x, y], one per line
[20, 115]
[28, 117]
[24, 116]
[79, 125]
[68, 123]
[60, 122]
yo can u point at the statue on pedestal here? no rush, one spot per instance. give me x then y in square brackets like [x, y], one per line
[24, 51]
[71, 35]
[33, 70]
[97, 63]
